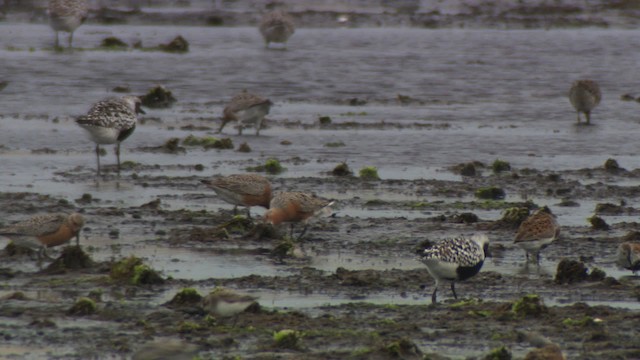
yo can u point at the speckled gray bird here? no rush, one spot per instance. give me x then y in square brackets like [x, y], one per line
[67, 15]
[276, 28]
[628, 256]
[585, 96]
[111, 121]
[246, 108]
[455, 259]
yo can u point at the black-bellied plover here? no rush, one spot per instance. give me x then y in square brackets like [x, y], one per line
[294, 207]
[536, 232]
[246, 108]
[628, 256]
[242, 190]
[111, 121]
[67, 15]
[455, 259]
[276, 28]
[584, 96]
[44, 231]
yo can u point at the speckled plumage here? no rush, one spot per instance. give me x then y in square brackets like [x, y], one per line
[276, 27]
[628, 256]
[223, 302]
[585, 95]
[111, 121]
[247, 108]
[294, 207]
[455, 259]
[537, 231]
[46, 230]
[242, 189]
[67, 15]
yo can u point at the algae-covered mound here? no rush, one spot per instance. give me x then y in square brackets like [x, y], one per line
[529, 306]
[158, 97]
[84, 306]
[72, 258]
[131, 270]
[177, 45]
[186, 296]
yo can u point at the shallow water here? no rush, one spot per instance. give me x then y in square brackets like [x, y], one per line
[487, 94]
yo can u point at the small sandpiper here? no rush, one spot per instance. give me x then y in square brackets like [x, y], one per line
[536, 232]
[276, 28]
[294, 207]
[44, 231]
[242, 190]
[247, 108]
[628, 256]
[455, 259]
[67, 15]
[585, 96]
[222, 302]
[111, 121]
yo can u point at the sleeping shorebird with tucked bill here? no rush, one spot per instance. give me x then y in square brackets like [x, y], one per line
[536, 232]
[223, 302]
[44, 231]
[585, 95]
[246, 108]
[276, 28]
[628, 256]
[455, 259]
[67, 15]
[294, 207]
[242, 190]
[111, 121]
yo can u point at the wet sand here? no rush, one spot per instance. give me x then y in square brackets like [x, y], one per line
[466, 95]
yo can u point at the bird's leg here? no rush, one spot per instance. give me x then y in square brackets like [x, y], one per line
[57, 45]
[303, 231]
[588, 116]
[453, 290]
[291, 231]
[578, 115]
[248, 212]
[98, 157]
[538, 258]
[240, 128]
[70, 39]
[78, 239]
[433, 295]
[118, 156]
[235, 210]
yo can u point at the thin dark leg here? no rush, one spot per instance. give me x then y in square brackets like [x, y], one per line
[588, 116]
[538, 258]
[433, 296]
[291, 231]
[248, 212]
[118, 156]
[78, 239]
[235, 210]
[304, 230]
[57, 41]
[453, 290]
[98, 157]
[70, 39]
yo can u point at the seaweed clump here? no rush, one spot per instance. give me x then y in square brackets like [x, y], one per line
[133, 271]
[529, 306]
[113, 43]
[178, 45]
[158, 97]
[342, 169]
[369, 173]
[491, 192]
[84, 306]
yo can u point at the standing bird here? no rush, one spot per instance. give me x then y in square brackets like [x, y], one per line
[242, 190]
[222, 302]
[67, 15]
[584, 96]
[455, 259]
[247, 108]
[628, 256]
[294, 207]
[111, 121]
[45, 231]
[536, 232]
[276, 28]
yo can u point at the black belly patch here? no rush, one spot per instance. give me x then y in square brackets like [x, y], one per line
[125, 133]
[465, 272]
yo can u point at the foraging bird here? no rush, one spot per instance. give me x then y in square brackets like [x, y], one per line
[111, 121]
[242, 190]
[67, 15]
[276, 28]
[585, 96]
[455, 259]
[45, 231]
[536, 232]
[628, 256]
[222, 302]
[246, 108]
[294, 207]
